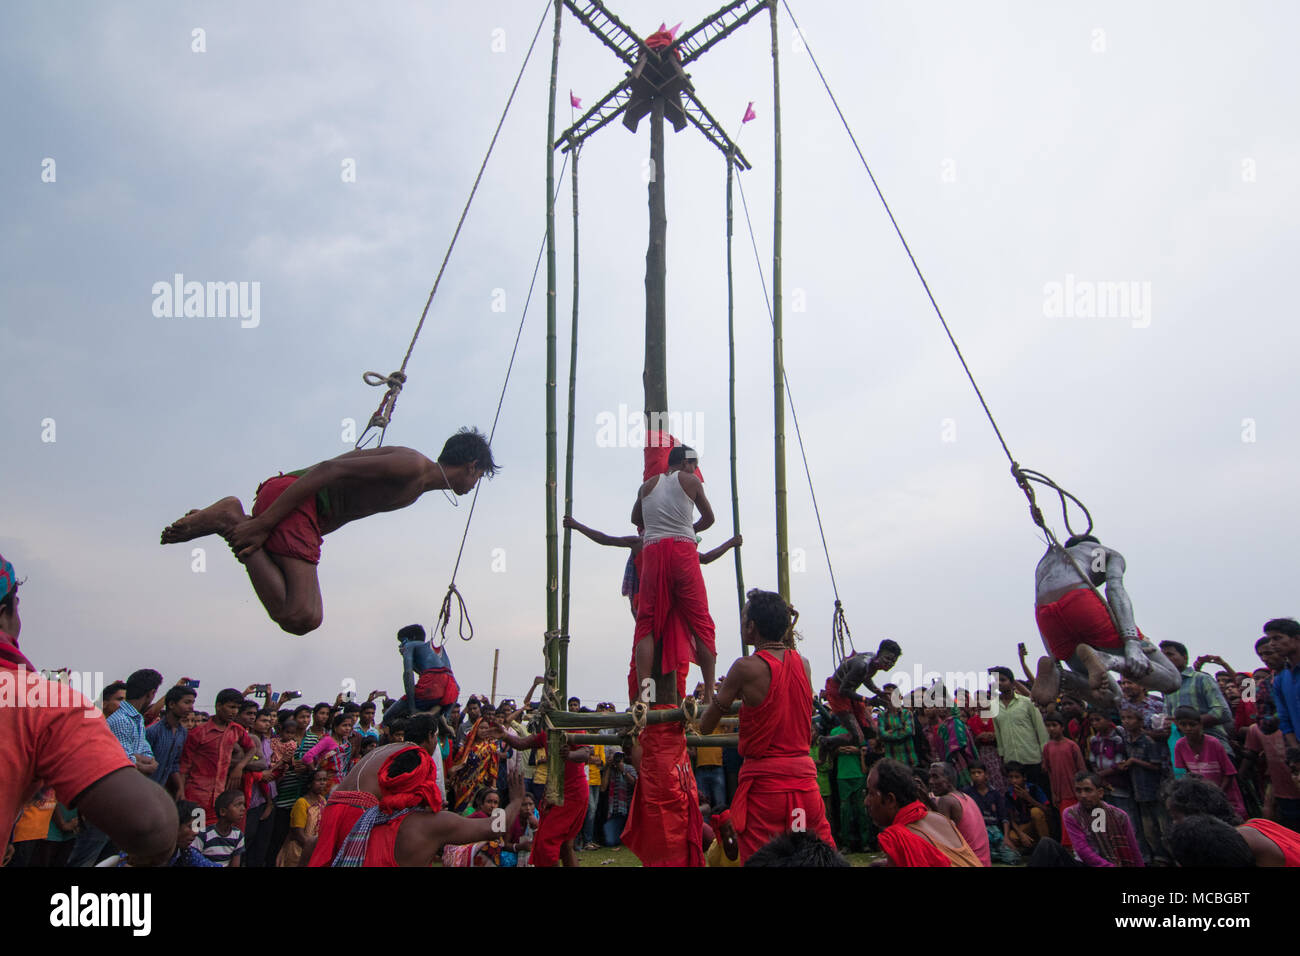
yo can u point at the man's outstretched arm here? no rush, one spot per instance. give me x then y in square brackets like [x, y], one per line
[600, 537]
[732, 685]
[709, 557]
[137, 814]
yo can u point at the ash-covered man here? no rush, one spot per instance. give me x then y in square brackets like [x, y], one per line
[850, 707]
[1077, 626]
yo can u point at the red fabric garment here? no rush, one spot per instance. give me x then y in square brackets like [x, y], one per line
[340, 815]
[11, 658]
[905, 848]
[418, 787]
[1081, 617]
[657, 446]
[205, 761]
[50, 736]
[562, 823]
[1288, 841]
[777, 788]
[437, 685]
[671, 583]
[839, 704]
[781, 726]
[297, 535]
[664, 826]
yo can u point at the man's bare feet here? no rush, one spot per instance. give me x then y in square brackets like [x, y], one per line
[217, 518]
[1104, 689]
[1047, 682]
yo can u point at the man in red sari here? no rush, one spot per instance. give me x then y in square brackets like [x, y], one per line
[778, 790]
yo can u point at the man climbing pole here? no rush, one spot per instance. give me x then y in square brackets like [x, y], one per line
[778, 790]
[280, 542]
[1079, 629]
[670, 578]
[850, 707]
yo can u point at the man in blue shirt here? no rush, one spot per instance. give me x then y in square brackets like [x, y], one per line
[1284, 637]
[167, 736]
[127, 726]
[426, 676]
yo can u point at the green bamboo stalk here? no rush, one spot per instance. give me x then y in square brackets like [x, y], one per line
[573, 387]
[555, 661]
[731, 385]
[778, 357]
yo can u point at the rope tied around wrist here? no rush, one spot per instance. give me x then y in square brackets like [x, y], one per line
[384, 413]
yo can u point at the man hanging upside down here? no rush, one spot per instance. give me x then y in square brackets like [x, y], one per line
[848, 706]
[671, 580]
[1077, 628]
[280, 542]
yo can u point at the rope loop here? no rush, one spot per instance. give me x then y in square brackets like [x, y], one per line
[462, 613]
[691, 715]
[639, 712]
[384, 413]
[839, 633]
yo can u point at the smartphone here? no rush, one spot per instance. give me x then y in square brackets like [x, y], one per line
[192, 683]
[275, 698]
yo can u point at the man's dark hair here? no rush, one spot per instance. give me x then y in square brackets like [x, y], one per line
[398, 726]
[249, 704]
[888, 646]
[1092, 775]
[677, 454]
[420, 728]
[796, 849]
[367, 706]
[1180, 648]
[895, 778]
[1263, 640]
[769, 613]
[1074, 539]
[1054, 717]
[142, 682]
[302, 709]
[412, 632]
[404, 763]
[351, 709]
[575, 700]
[1014, 766]
[338, 719]
[226, 799]
[1186, 713]
[1283, 625]
[322, 704]
[469, 445]
[229, 695]
[1203, 840]
[978, 765]
[177, 694]
[1004, 671]
[185, 812]
[111, 689]
[1192, 796]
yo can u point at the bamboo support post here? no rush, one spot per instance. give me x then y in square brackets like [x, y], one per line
[778, 357]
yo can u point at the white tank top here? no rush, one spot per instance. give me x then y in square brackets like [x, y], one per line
[668, 511]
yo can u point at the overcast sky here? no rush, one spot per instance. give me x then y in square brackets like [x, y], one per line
[1028, 151]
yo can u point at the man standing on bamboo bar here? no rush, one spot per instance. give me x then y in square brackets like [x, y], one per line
[778, 790]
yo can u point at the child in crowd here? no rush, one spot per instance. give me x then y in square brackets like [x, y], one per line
[223, 841]
[1199, 753]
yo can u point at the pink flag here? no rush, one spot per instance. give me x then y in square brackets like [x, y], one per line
[574, 101]
[673, 32]
[749, 113]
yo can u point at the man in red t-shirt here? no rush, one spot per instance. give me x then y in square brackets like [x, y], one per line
[53, 736]
[778, 789]
[205, 768]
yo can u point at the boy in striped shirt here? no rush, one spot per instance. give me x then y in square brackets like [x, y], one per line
[223, 842]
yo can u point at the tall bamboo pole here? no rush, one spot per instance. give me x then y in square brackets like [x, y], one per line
[731, 384]
[568, 454]
[655, 376]
[554, 661]
[778, 357]
[496, 661]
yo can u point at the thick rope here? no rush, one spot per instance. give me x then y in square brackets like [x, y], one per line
[839, 618]
[384, 413]
[444, 615]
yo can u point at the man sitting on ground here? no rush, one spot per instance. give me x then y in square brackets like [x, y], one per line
[911, 834]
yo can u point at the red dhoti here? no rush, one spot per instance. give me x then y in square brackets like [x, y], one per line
[776, 795]
[1081, 617]
[298, 533]
[839, 704]
[664, 826]
[560, 824]
[341, 813]
[671, 584]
